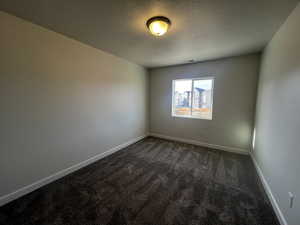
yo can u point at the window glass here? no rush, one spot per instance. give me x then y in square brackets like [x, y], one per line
[183, 97]
[202, 98]
[193, 98]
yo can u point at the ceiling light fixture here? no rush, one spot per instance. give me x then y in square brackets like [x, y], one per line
[158, 25]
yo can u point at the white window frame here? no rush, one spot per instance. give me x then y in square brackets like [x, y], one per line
[192, 95]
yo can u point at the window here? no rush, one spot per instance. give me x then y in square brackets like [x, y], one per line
[193, 98]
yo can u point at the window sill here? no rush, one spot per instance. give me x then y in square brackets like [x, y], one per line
[192, 117]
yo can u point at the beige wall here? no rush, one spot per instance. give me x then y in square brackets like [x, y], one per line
[61, 102]
[233, 108]
[277, 146]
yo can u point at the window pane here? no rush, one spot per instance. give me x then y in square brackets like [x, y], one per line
[202, 99]
[182, 97]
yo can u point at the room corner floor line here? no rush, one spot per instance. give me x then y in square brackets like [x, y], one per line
[42, 182]
[203, 144]
[268, 190]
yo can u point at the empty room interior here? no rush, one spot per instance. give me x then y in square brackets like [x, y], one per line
[149, 112]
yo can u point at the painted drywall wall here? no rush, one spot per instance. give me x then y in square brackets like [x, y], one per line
[62, 102]
[233, 108]
[277, 125]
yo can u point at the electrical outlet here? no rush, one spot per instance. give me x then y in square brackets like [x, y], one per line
[291, 196]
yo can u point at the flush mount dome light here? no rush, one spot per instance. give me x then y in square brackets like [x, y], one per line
[158, 25]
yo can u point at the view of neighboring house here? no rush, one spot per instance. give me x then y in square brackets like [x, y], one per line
[182, 99]
[201, 101]
[202, 98]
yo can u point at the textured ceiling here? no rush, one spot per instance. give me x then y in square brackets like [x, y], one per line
[201, 29]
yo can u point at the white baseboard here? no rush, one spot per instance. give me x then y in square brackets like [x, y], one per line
[268, 190]
[199, 143]
[31, 187]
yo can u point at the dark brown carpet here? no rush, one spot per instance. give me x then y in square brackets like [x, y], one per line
[152, 182]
